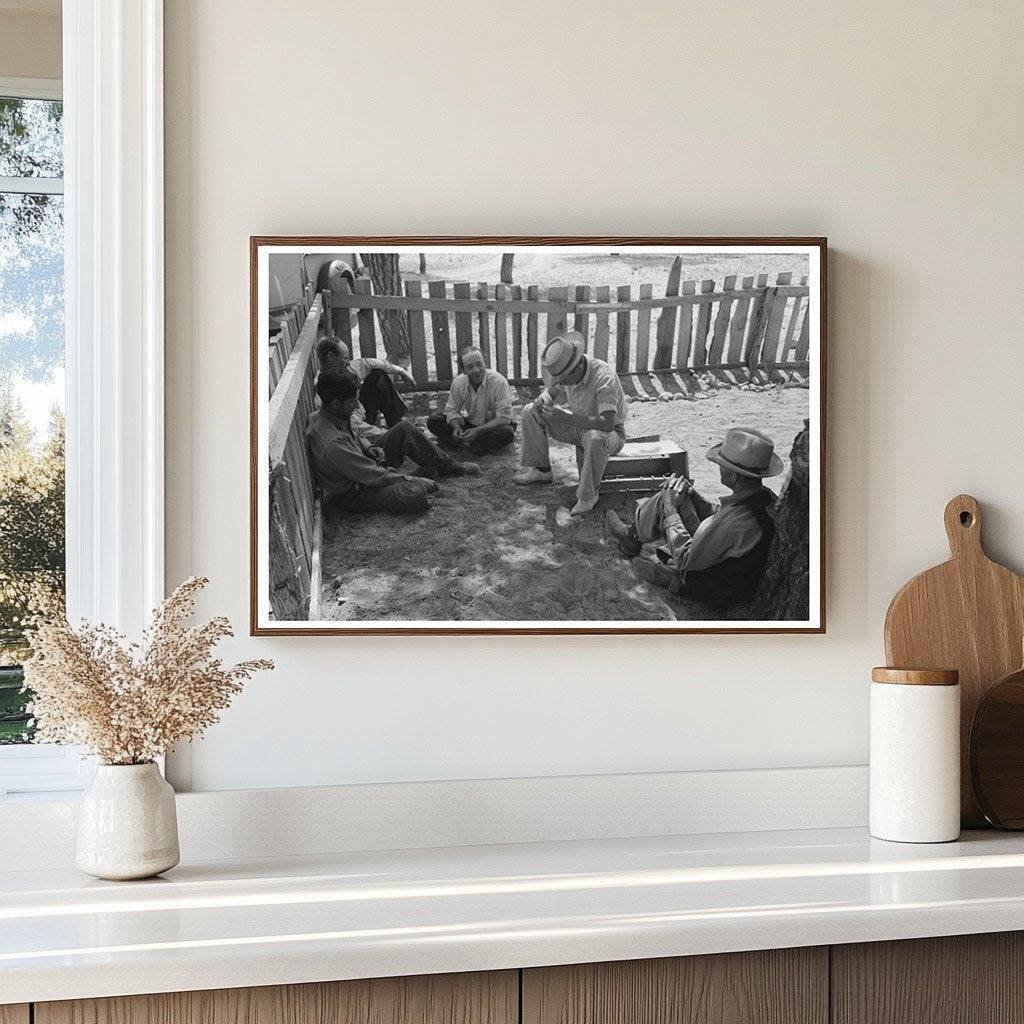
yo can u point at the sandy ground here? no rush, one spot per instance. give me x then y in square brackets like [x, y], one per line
[547, 269]
[489, 550]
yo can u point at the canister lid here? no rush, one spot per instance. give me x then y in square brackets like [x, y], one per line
[916, 676]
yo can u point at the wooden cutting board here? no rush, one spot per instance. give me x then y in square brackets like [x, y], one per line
[967, 614]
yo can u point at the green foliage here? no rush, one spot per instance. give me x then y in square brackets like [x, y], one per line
[32, 550]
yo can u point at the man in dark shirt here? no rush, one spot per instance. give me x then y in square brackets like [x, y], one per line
[711, 553]
[360, 479]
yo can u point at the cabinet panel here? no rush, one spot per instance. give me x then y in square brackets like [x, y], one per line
[962, 979]
[778, 986]
[14, 1013]
[481, 998]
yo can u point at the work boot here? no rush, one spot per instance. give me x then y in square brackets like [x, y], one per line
[623, 535]
[654, 572]
[581, 508]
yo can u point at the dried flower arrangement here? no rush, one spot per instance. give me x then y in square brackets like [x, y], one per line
[129, 703]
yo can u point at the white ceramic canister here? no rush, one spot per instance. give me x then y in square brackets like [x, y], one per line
[915, 755]
[127, 824]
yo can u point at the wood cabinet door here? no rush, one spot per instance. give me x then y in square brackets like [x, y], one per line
[960, 979]
[14, 1013]
[480, 998]
[777, 986]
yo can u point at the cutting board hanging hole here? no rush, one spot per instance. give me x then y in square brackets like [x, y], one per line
[963, 526]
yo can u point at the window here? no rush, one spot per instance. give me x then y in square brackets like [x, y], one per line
[32, 515]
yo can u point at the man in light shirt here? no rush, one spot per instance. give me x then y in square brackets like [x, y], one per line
[478, 414]
[593, 418]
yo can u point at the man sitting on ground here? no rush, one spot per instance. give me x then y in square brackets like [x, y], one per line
[594, 421]
[710, 553]
[377, 392]
[478, 414]
[359, 479]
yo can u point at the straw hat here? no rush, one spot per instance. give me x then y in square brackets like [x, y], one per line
[562, 355]
[747, 452]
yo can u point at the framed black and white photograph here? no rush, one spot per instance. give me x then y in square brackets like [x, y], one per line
[537, 435]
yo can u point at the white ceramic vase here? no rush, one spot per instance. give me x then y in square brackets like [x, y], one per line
[127, 824]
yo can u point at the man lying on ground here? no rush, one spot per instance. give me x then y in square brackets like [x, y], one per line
[594, 421]
[377, 392]
[478, 414]
[359, 479]
[710, 553]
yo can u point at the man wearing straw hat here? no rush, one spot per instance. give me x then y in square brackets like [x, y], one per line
[593, 420]
[711, 553]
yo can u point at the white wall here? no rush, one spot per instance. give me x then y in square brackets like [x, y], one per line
[895, 129]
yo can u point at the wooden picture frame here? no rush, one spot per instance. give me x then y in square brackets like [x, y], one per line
[758, 342]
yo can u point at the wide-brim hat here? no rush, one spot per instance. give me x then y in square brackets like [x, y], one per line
[563, 354]
[748, 452]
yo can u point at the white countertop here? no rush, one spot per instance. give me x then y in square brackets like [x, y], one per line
[261, 922]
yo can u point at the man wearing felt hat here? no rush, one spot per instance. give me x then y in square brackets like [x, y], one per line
[710, 553]
[592, 419]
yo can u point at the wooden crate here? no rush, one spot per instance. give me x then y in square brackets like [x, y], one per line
[643, 465]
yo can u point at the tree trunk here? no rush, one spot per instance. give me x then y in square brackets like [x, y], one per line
[506, 267]
[783, 593]
[394, 324]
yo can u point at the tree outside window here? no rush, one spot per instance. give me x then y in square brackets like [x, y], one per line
[31, 387]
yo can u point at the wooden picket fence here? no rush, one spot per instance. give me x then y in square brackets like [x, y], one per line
[743, 327]
[295, 515]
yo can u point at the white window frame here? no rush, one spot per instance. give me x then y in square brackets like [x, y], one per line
[114, 331]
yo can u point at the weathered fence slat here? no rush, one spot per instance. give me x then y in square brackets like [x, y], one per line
[773, 333]
[685, 328]
[792, 337]
[442, 334]
[417, 336]
[483, 329]
[643, 329]
[602, 293]
[501, 333]
[805, 336]
[558, 320]
[622, 351]
[790, 340]
[463, 321]
[755, 340]
[272, 372]
[517, 334]
[581, 319]
[734, 350]
[756, 323]
[367, 327]
[700, 339]
[285, 341]
[721, 327]
[340, 321]
[532, 292]
[666, 329]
